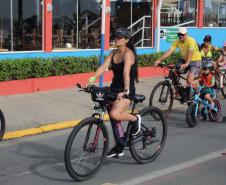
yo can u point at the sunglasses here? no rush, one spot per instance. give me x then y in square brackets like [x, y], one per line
[180, 34]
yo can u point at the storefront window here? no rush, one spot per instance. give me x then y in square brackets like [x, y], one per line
[5, 30]
[135, 15]
[27, 25]
[76, 24]
[178, 12]
[20, 25]
[215, 13]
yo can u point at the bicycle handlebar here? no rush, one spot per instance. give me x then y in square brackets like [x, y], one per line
[85, 89]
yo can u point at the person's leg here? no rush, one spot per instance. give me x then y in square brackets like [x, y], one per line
[118, 111]
[210, 100]
[117, 114]
[193, 73]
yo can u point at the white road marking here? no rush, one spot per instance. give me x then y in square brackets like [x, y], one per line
[174, 168]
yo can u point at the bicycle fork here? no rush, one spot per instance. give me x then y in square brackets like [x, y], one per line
[161, 98]
[94, 144]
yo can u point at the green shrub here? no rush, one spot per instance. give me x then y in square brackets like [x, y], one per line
[18, 69]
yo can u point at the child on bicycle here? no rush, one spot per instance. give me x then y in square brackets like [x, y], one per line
[221, 64]
[207, 79]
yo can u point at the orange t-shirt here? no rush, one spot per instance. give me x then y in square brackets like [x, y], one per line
[209, 80]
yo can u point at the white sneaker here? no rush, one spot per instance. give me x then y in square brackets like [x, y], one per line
[137, 127]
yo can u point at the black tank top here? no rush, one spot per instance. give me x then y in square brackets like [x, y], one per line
[117, 84]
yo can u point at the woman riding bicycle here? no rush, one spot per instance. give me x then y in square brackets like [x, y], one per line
[207, 49]
[124, 65]
[190, 56]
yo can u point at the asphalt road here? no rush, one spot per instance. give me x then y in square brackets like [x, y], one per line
[192, 156]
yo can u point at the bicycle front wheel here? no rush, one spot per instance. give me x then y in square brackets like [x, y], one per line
[192, 115]
[86, 148]
[162, 97]
[2, 125]
[149, 142]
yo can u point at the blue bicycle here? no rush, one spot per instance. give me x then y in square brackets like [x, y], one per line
[201, 108]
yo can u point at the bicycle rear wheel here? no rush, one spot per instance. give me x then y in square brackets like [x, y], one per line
[162, 97]
[223, 90]
[86, 148]
[149, 142]
[2, 125]
[214, 116]
[192, 116]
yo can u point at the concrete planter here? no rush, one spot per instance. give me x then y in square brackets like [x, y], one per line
[61, 82]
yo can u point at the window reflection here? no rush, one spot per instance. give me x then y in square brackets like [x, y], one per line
[135, 15]
[5, 30]
[27, 25]
[214, 13]
[176, 12]
[76, 24]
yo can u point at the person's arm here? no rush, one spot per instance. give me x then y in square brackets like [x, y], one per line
[101, 69]
[129, 60]
[214, 48]
[165, 55]
[168, 52]
[219, 60]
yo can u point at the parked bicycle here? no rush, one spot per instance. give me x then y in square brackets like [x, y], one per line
[201, 108]
[2, 125]
[163, 93]
[88, 142]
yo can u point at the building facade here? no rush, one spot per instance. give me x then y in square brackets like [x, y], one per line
[43, 28]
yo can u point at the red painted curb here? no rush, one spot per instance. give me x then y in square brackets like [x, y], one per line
[62, 82]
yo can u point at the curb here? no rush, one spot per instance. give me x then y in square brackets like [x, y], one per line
[43, 129]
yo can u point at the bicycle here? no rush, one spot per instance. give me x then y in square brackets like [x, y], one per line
[201, 107]
[164, 90]
[92, 138]
[218, 80]
[2, 125]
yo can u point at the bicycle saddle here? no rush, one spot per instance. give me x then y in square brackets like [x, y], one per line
[138, 98]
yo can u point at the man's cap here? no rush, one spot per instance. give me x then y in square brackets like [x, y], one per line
[182, 30]
[123, 33]
[207, 38]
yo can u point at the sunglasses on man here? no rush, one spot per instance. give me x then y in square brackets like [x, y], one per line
[180, 34]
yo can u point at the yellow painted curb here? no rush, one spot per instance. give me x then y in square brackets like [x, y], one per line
[44, 128]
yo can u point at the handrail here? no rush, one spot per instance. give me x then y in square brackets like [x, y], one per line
[140, 29]
[182, 24]
[91, 24]
[145, 16]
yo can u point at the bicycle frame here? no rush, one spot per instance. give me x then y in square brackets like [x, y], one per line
[197, 101]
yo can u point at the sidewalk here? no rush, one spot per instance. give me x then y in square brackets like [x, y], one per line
[53, 109]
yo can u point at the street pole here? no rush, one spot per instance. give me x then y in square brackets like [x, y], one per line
[103, 14]
[158, 25]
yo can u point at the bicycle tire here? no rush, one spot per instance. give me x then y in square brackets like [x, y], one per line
[151, 99]
[214, 116]
[148, 137]
[223, 90]
[2, 125]
[77, 130]
[191, 120]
